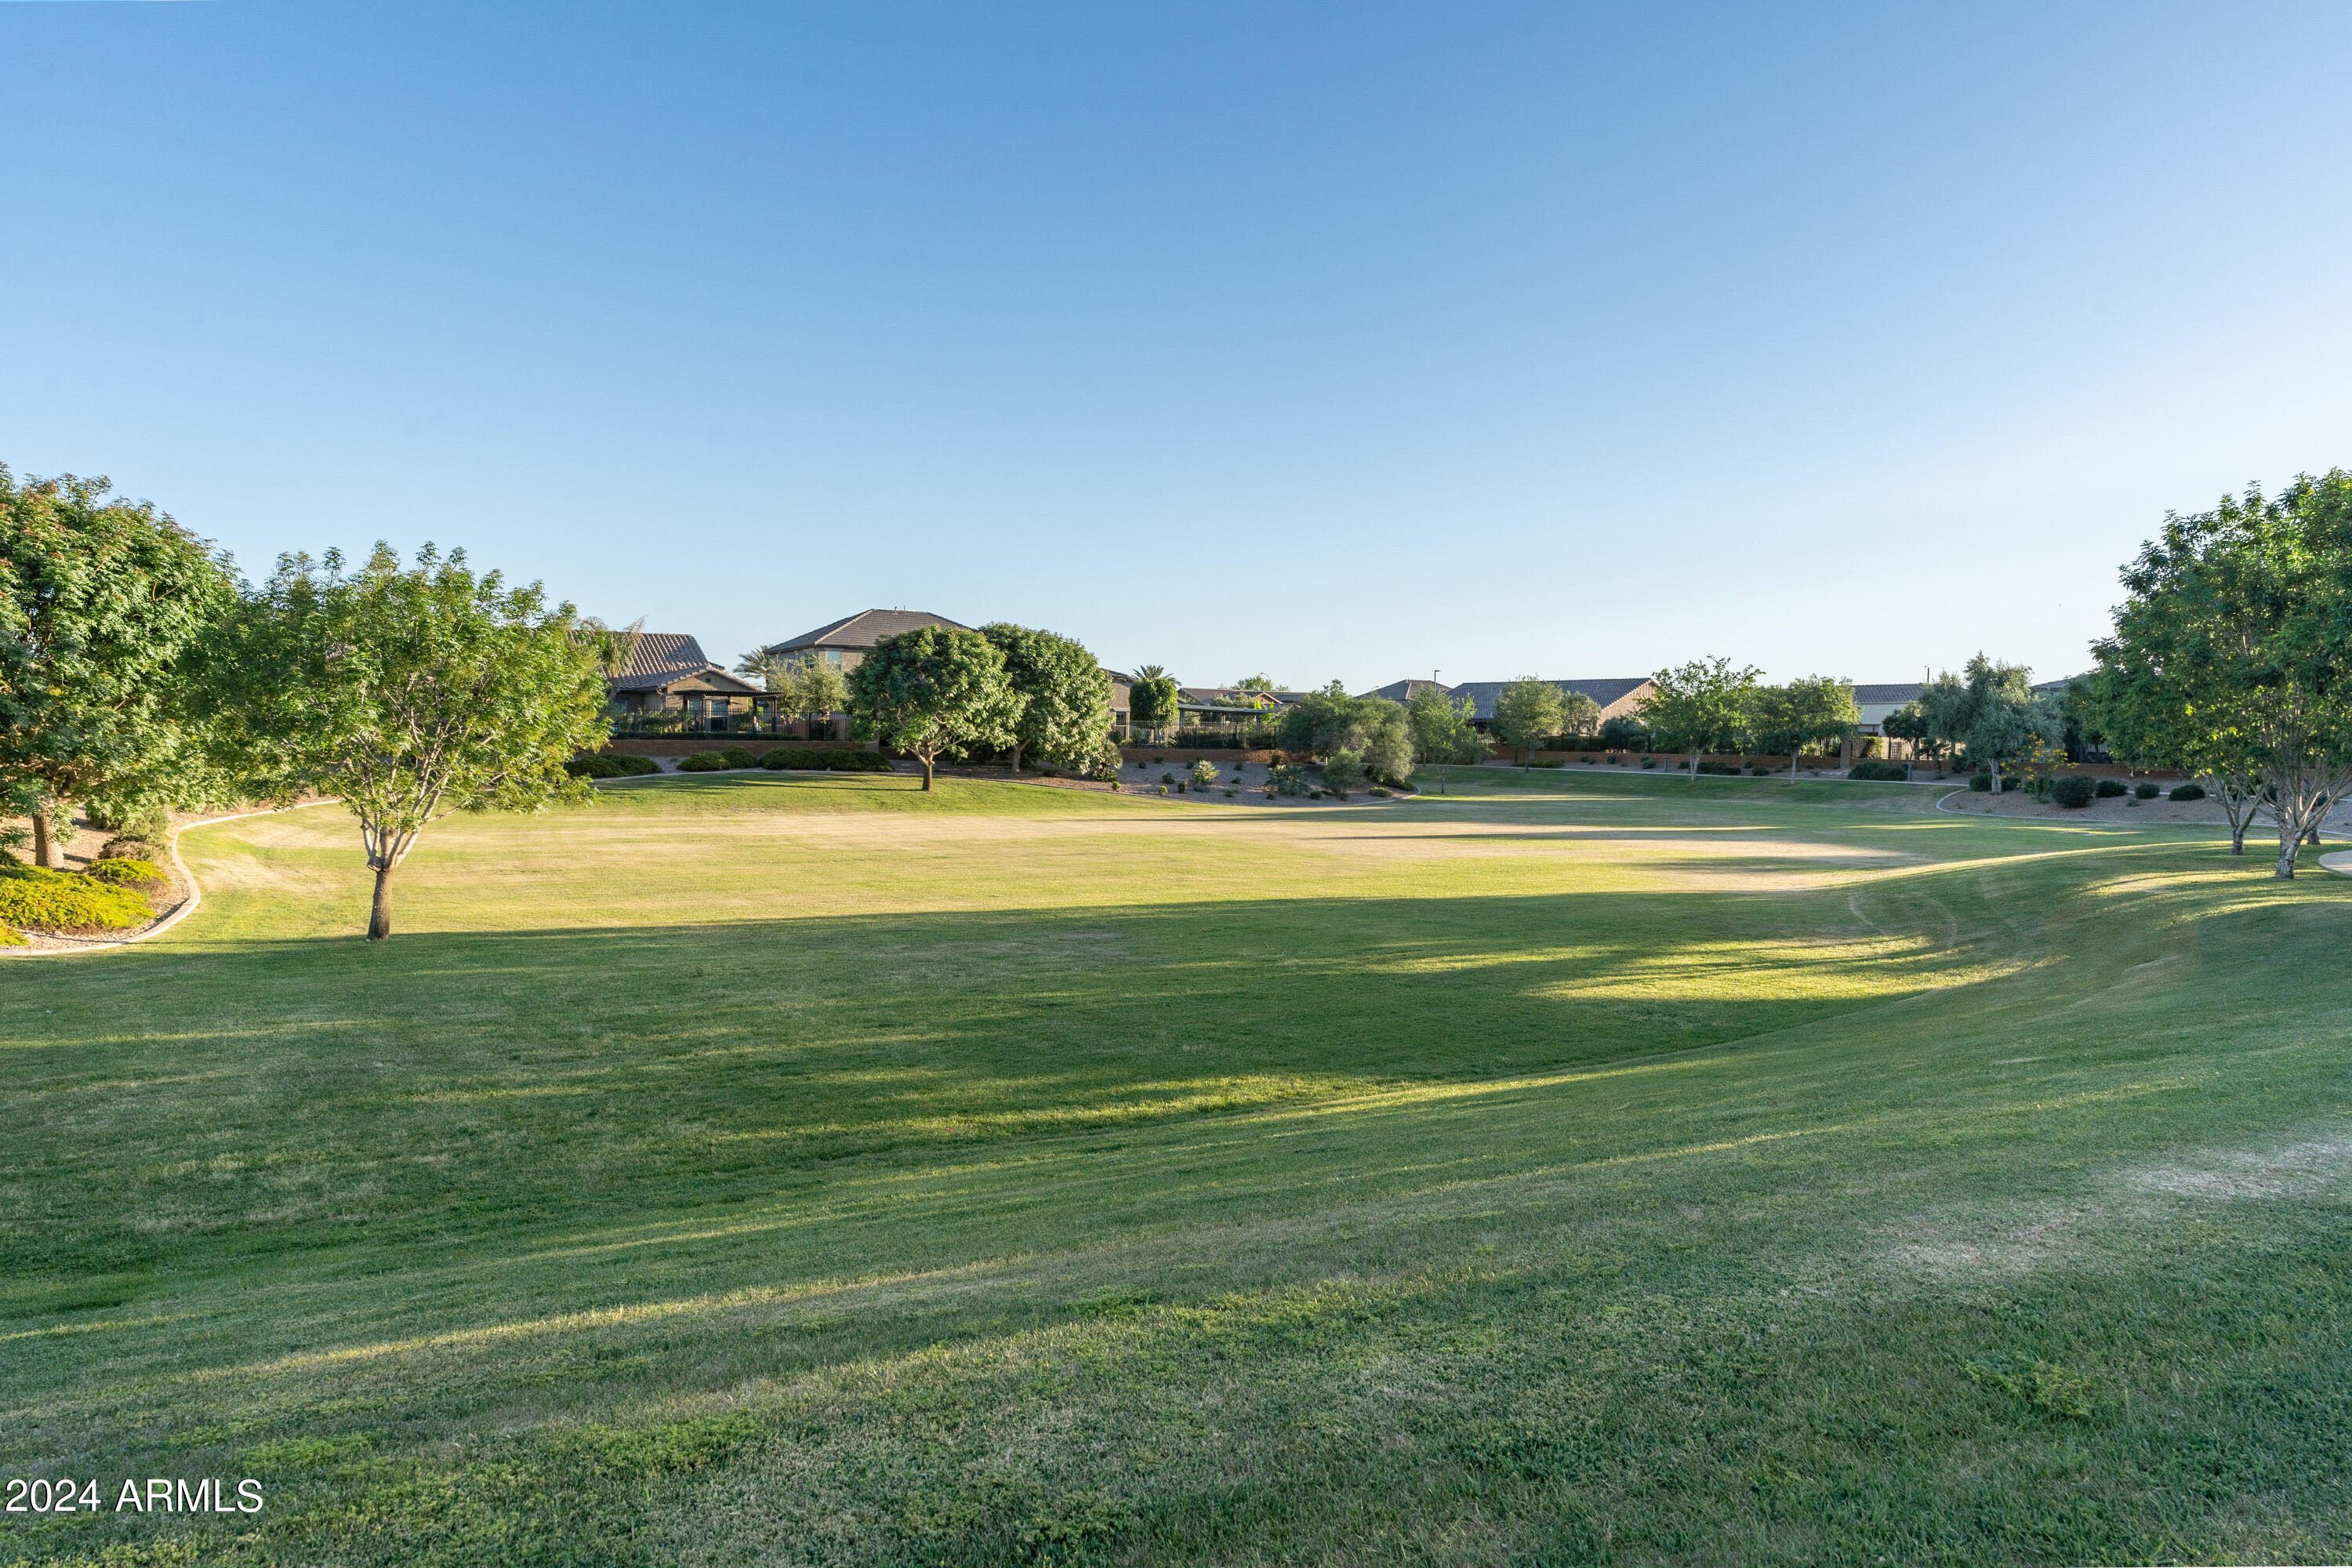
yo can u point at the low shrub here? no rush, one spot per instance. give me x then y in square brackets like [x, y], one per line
[604, 766]
[1718, 769]
[1229, 795]
[67, 901]
[1383, 791]
[1891, 771]
[740, 757]
[704, 762]
[11, 937]
[128, 848]
[148, 824]
[2146, 790]
[1649, 762]
[2188, 792]
[1981, 782]
[1286, 778]
[2111, 788]
[2077, 790]
[144, 875]
[1204, 771]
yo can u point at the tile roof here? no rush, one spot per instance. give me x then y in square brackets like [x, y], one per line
[864, 629]
[1605, 693]
[1898, 693]
[1402, 690]
[658, 658]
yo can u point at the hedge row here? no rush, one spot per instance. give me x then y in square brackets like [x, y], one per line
[609, 767]
[843, 762]
[1897, 771]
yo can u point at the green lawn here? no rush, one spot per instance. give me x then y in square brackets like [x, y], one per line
[1576, 1168]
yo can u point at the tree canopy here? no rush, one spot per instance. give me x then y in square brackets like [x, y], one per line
[1064, 694]
[1699, 706]
[2232, 654]
[410, 693]
[1817, 708]
[1444, 732]
[1324, 723]
[102, 602]
[1993, 713]
[932, 692]
[1151, 701]
[1526, 712]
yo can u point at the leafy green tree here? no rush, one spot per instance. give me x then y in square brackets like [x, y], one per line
[1383, 735]
[411, 693]
[1064, 694]
[2230, 653]
[1321, 722]
[1151, 701]
[1819, 709]
[1623, 733]
[932, 692]
[1700, 707]
[818, 692]
[772, 672]
[1259, 682]
[102, 603]
[1995, 714]
[1526, 712]
[614, 646]
[1444, 732]
[1579, 714]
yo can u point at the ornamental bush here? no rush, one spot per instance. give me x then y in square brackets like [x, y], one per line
[67, 901]
[1286, 778]
[144, 875]
[2146, 790]
[703, 763]
[1893, 772]
[1981, 782]
[2188, 792]
[603, 766]
[2110, 789]
[2077, 790]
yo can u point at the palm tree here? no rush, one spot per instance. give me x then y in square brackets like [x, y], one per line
[1151, 672]
[772, 670]
[615, 647]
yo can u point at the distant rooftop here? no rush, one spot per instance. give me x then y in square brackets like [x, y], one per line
[864, 629]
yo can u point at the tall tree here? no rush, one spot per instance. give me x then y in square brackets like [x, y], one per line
[773, 671]
[932, 692]
[1152, 699]
[102, 602]
[814, 692]
[2232, 645]
[1817, 708]
[615, 648]
[1064, 694]
[1321, 723]
[1526, 711]
[1444, 732]
[1996, 714]
[1700, 707]
[411, 692]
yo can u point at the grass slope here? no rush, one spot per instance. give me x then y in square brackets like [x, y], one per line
[804, 1169]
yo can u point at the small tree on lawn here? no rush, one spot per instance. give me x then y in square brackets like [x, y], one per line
[1385, 735]
[814, 692]
[1703, 706]
[411, 693]
[1064, 694]
[1444, 732]
[1527, 711]
[2232, 650]
[932, 692]
[102, 602]
[1151, 701]
[1819, 709]
[1321, 722]
[1996, 714]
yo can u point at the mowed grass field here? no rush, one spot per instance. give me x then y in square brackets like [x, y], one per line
[771, 1169]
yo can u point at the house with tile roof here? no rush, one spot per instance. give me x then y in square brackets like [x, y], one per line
[667, 672]
[1613, 695]
[843, 644]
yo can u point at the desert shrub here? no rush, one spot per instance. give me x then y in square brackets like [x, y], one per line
[144, 875]
[2146, 790]
[1166, 778]
[1341, 771]
[1229, 795]
[2076, 790]
[2110, 788]
[67, 901]
[1981, 782]
[1286, 778]
[2188, 792]
[1204, 771]
[1867, 770]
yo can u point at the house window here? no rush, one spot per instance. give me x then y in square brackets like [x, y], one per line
[717, 708]
[832, 657]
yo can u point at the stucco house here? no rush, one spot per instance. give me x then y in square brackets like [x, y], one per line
[669, 673]
[843, 644]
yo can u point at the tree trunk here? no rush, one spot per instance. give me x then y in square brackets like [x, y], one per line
[1016, 756]
[380, 914]
[1996, 775]
[2237, 838]
[926, 758]
[45, 848]
[2290, 845]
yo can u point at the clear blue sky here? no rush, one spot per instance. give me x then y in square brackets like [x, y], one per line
[1329, 339]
